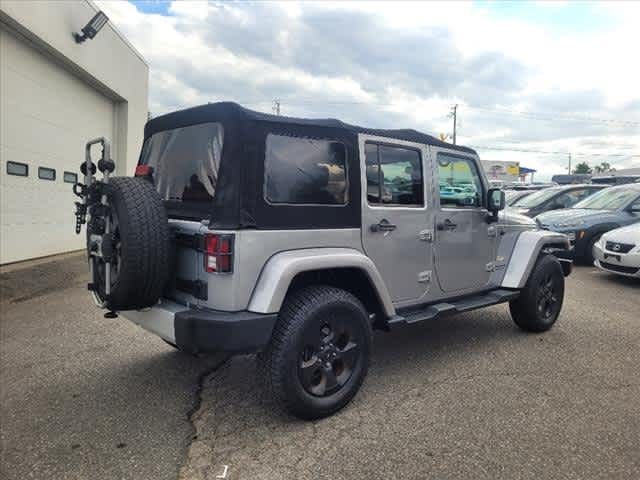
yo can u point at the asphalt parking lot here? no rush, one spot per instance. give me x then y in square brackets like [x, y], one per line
[463, 397]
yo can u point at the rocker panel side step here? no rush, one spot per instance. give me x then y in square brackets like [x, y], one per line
[464, 304]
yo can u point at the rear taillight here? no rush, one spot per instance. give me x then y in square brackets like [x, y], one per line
[144, 171]
[218, 253]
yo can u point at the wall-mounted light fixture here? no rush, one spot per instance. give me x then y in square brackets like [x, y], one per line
[92, 28]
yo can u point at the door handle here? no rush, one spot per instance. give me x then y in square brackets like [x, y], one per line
[446, 225]
[383, 226]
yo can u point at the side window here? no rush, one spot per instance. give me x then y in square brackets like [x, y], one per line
[576, 195]
[394, 176]
[46, 173]
[564, 200]
[305, 171]
[18, 169]
[70, 177]
[460, 185]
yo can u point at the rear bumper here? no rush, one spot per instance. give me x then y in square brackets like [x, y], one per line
[206, 331]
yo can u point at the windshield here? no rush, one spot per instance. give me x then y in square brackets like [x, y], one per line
[537, 198]
[512, 196]
[608, 199]
[185, 161]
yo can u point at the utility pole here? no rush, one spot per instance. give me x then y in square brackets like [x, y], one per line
[276, 106]
[569, 164]
[454, 111]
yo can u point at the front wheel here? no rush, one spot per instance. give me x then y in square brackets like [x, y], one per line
[319, 354]
[537, 307]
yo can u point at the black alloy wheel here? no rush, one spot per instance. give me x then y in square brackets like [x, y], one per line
[548, 297]
[540, 301]
[329, 355]
[319, 351]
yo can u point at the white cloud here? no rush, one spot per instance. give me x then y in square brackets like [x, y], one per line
[402, 65]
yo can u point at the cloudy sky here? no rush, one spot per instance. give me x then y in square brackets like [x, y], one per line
[553, 77]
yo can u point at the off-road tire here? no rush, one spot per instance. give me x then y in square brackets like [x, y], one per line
[525, 310]
[279, 363]
[144, 254]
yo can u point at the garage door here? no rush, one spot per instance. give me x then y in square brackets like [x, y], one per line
[47, 114]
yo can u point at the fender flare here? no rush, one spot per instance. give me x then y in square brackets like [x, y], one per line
[525, 253]
[589, 233]
[281, 269]
[600, 229]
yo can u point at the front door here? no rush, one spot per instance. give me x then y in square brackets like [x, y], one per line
[395, 215]
[464, 240]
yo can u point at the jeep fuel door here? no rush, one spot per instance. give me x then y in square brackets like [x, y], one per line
[465, 242]
[394, 213]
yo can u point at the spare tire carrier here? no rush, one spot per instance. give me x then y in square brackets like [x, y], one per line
[128, 242]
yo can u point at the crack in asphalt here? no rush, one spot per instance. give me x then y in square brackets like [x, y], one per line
[204, 377]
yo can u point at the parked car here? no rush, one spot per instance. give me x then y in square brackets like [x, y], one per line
[247, 232]
[574, 178]
[586, 221]
[512, 196]
[554, 198]
[618, 251]
[616, 179]
[533, 186]
[457, 195]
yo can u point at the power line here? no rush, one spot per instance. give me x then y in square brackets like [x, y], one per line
[556, 116]
[545, 116]
[550, 152]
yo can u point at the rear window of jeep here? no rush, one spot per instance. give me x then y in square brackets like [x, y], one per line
[302, 170]
[185, 162]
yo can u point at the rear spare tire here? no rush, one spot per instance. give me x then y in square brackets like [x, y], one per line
[140, 245]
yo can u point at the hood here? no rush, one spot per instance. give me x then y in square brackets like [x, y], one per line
[629, 234]
[576, 214]
[510, 216]
[517, 210]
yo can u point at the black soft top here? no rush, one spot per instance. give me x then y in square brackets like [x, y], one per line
[230, 111]
[239, 199]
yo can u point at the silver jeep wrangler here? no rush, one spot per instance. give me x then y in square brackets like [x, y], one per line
[294, 238]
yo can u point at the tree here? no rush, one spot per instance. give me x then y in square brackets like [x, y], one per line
[582, 167]
[603, 167]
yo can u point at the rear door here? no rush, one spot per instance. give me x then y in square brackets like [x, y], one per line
[464, 240]
[395, 214]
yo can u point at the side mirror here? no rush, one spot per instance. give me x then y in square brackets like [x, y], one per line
[495, 200]
[635, 209]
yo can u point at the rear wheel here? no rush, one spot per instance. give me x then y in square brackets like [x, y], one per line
[319, 352]
[537, 307]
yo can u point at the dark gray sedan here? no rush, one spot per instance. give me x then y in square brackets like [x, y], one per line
[586, 221]
[554, 198]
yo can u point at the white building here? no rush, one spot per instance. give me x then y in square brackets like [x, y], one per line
[55, 94]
